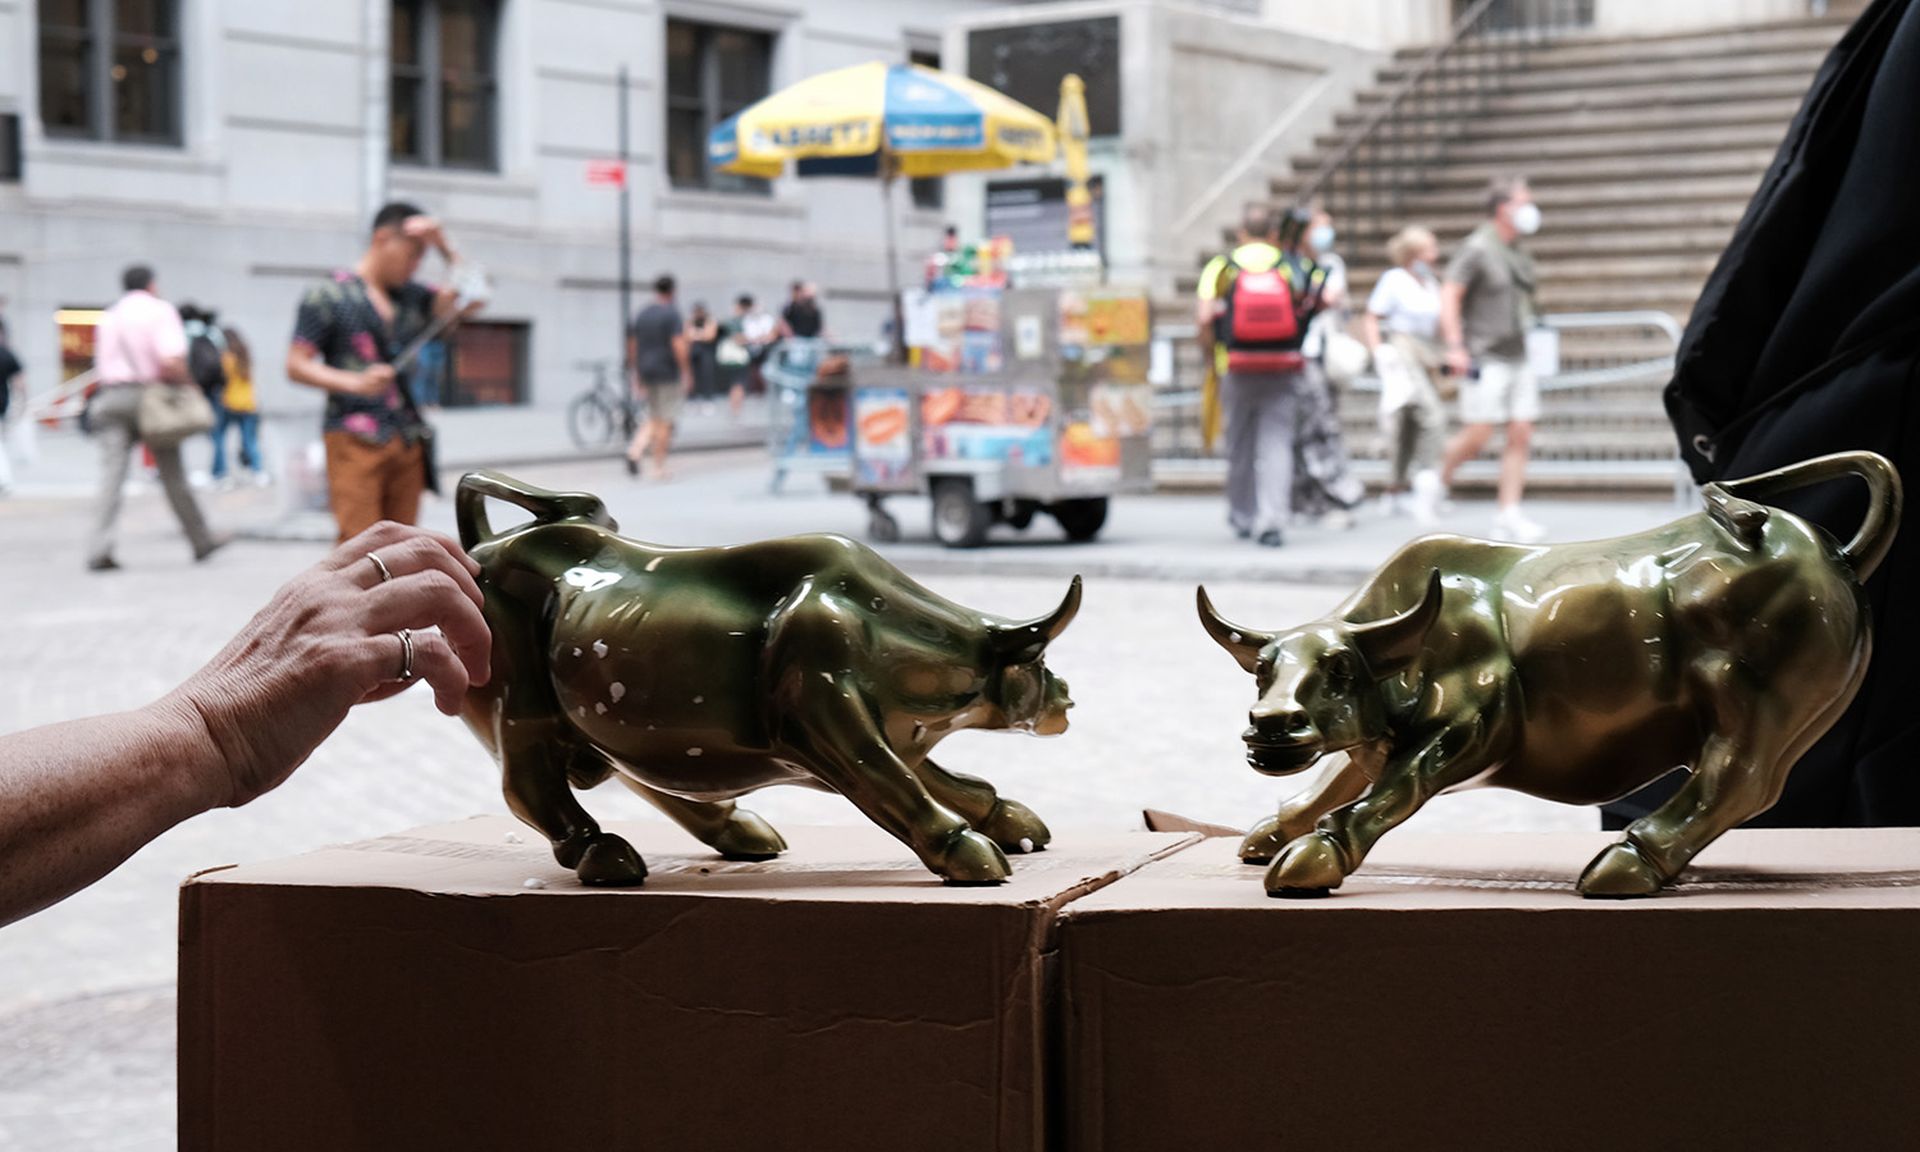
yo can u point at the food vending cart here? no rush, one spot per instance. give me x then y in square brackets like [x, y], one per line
[1020, 402]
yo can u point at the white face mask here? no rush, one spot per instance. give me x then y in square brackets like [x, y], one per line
[1526, 219]
[1321, 238]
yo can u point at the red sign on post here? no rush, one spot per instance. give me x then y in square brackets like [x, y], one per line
[612, 173]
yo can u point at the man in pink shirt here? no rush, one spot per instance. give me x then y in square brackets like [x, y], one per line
[139, 342]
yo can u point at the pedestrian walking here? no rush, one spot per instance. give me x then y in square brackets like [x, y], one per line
[347, 334]
[1402, 330]
[1486, 309]
[238, 410]
[703, 340]
[11, 376]
[206, 363]
[662, 366]
[1325, 490]
[140, 343]
[1254, 306]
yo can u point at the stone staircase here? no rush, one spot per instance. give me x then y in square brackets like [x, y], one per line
[1643, 153]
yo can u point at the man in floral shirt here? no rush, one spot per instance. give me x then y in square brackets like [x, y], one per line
[348, 332]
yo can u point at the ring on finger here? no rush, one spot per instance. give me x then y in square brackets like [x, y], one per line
[406, 656]
[386, 573]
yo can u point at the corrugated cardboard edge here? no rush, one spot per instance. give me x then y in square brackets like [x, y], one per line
[1045, 948]
[1158, 821]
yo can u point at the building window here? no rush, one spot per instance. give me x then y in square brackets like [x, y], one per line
[712, 72]
[489, 365]
[10, 163]
[445, 83]
[929, 192]
[110, 70]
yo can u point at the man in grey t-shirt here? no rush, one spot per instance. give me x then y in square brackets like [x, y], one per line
[1486, 307]
[662, 367]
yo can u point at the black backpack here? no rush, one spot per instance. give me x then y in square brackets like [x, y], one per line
[205, 365]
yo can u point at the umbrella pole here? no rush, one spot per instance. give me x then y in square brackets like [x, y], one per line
[897, 348]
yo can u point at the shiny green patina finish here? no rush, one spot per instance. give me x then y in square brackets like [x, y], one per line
[1726, 642]
[700, 674]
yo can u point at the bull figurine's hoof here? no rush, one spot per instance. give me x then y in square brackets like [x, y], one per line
[610, 862]
[1311, 865]
[1621, 873]
[1013, 826]
[1265, 841]
[747, 836]
[970, 858]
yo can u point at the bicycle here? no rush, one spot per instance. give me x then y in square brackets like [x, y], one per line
[605, 415]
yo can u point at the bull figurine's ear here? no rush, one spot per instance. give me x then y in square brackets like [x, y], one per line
[1243, 644]
[1019, 643]
[1389, 645]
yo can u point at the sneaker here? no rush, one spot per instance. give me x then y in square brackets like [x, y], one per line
[1271, 538]
[1513, 524]
[1428, 495]
[103, 564]
[1338, 520]
[262, 479]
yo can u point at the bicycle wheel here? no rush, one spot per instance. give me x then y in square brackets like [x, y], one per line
[591, 423]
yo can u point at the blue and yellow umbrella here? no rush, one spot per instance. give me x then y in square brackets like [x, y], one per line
[881, 120]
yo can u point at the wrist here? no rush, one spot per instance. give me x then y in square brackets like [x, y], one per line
[193, 774]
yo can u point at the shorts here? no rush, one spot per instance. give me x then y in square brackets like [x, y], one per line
[664, 400]
[1505, 392]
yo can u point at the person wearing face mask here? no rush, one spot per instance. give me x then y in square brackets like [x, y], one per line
[1401, 329]
[1486, 308]
[1325, 489]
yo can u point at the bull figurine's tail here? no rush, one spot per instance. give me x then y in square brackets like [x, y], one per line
[470, 505]
[1884, 499]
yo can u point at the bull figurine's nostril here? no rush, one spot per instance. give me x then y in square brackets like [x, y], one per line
[1274, 720]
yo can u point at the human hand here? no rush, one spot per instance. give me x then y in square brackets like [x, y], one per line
[426, 229]
[376, 380]
[328, 640]
[1458, 362]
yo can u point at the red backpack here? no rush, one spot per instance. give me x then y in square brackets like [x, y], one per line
[1263, 322]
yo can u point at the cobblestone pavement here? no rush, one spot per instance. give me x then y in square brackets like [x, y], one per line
[86, 1002]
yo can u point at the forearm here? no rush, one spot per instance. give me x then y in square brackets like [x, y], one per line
[77, 799]
[1450, 316]
[314, 374]
[1370, 330]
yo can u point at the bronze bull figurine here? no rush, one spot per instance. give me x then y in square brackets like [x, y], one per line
[1726, 642]
[700, 674]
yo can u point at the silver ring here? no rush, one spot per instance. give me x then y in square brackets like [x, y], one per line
[386, 573]
[406, 656]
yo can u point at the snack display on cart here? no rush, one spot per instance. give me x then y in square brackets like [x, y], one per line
[1015, 402]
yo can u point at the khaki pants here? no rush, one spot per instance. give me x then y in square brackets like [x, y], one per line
[115, 417]
[368, 483]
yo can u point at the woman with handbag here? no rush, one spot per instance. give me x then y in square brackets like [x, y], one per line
[145, 394]
[1402, 330]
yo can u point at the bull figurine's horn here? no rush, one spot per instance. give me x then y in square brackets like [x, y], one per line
[1390, 645]
[1243, 644]
[1026, 641]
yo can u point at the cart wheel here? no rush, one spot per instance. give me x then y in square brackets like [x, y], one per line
[1082, 519]
[1021, 517]
[883, 527]
[959, 521]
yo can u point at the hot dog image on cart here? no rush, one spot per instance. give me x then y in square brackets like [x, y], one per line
[1022, 402]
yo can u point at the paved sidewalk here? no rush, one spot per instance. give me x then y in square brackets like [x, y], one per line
[86, 1003]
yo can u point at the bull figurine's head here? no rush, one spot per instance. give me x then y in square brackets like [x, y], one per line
[1021, 693]
[1320, 684]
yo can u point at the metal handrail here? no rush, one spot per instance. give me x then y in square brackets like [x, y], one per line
[1360, 134]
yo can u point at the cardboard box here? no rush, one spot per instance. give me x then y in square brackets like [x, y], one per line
[1456, 994]
[449, 988]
